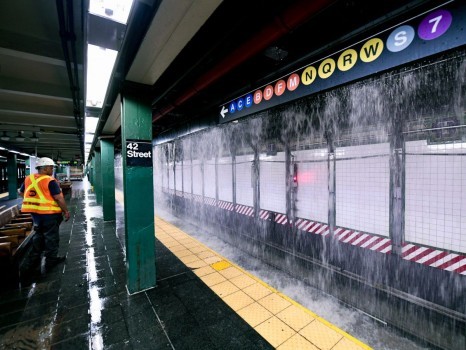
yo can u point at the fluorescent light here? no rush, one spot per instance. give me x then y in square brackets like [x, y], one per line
[34, 137]
[5, 137]
[447, 146]
[115, 10]
[88, 138]
[100, 62]
[20, 136]
[90, 124]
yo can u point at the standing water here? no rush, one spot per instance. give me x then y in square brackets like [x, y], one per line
[356, 192]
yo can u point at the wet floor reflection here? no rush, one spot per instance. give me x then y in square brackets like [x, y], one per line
[95, 302]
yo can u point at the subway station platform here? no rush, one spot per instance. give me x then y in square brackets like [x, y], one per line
[201, 300]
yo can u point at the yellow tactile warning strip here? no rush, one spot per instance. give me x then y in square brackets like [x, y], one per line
[284, 323]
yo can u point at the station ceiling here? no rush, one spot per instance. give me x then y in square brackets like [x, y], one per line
[193, 55]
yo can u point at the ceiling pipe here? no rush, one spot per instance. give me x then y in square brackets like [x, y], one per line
[67, 34]
[292, 18]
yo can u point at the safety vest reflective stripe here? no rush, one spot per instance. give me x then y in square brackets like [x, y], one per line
[41, 204]
[37, 200]
[35, 184]
[29, 206]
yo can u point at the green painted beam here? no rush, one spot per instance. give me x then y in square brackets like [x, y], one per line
[136, 131]
[108, 178]
[12, 171]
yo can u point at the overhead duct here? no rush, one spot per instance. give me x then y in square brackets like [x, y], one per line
[68, 42]
[293, 17]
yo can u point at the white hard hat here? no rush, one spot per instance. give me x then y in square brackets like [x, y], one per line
[44, 162]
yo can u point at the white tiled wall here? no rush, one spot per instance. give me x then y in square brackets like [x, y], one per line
[312, 193]
[197, 177]
[187, 176]
[171, 182]
[362, 188]
[162, 172]
[435, 197]
[273, 183]
[435, 205]
[244, 194]
[178, 176]
[209, 178]
[225, 191]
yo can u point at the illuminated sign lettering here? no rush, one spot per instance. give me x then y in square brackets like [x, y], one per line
[139, 153]
[393, 47]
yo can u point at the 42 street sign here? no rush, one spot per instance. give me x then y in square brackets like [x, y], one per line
[138, 153]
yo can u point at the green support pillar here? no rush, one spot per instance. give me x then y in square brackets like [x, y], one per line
[91, 172]
[98, 177]
[12, 172]
[28, 170]
[136, 132]
[108, 178]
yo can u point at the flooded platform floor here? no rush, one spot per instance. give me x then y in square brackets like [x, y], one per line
[201, 301]
[282, 322]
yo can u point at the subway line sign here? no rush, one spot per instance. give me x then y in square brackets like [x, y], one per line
[438, 30]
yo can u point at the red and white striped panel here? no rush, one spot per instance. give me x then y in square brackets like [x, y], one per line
[421, 255]
[197, 198]
[364, 240]
[435, 258]
[312, 226]
[226, 205]
[264, 214]
[210, 201]
[244, 209]
[281, 219]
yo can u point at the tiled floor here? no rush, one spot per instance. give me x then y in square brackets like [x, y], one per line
[83, 303]
[201, 301]
[282, 322]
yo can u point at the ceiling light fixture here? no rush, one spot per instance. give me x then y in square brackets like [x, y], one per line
[34, 137]
[5, 137]
[20, 137]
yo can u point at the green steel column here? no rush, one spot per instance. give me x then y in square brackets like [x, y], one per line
[98, 177]
[91, 172]
[28, 170]
[12, 172]
[108, 178]
[136, 132]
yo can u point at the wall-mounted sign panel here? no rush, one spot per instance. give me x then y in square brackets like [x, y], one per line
[68, 162]
[439, 30]
[138, 153]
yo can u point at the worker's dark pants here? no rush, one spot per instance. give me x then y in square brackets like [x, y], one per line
[46, 239]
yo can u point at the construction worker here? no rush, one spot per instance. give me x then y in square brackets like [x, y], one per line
[43, 198]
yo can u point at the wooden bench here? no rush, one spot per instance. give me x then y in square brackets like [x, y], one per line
[16, 230]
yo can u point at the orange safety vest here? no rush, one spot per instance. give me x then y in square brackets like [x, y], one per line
[37, 197]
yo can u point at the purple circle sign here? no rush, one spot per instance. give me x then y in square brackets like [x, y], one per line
[434, 25]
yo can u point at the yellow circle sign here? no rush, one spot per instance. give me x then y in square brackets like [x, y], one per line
[371, 50]
[309, 75]
[326, 68]
[347, 60]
